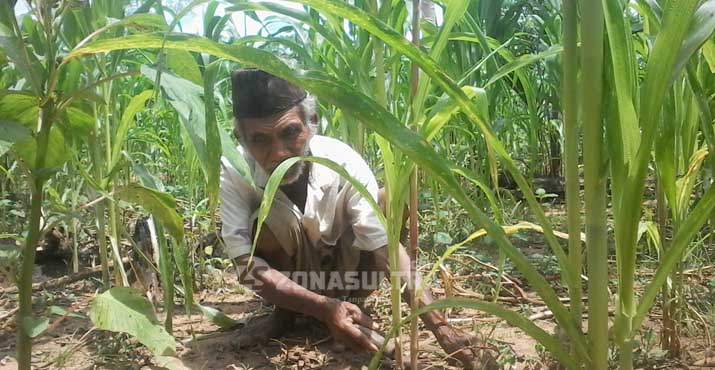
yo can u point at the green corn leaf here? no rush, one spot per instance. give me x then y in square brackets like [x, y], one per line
[184, 65]
[58, 151]
[125, 310]
[78, 123]
[709, 54]
[661, 62]
[659, 69]
[34, 326]
[624, 81]
[446, 108]
[10, 133]
[217, 317]
[665, 159]
[454, 13]
[19, 107]
[521, 62]
[142, 23]
[25, 61]
[159, 204]
[135, 106]
[185, 97]
[213, 151]
[302, 53]
[701, 29]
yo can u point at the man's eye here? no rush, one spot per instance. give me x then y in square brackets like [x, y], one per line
[290, 132]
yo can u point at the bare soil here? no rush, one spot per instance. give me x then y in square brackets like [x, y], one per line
[72, 343]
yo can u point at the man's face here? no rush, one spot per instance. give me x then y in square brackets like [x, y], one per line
[273, 139]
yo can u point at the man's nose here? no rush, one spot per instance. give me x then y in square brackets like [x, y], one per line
[280, 152]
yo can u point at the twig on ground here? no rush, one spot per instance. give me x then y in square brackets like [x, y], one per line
[55, 283]
[706, 362]
[9, 313]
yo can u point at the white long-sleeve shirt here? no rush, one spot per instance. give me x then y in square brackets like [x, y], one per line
[332, 204]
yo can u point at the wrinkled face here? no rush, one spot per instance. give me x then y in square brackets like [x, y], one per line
[273, 139]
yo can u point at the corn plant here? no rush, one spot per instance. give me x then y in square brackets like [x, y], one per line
[47, 118]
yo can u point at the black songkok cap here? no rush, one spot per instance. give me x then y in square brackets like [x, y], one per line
[259, 94]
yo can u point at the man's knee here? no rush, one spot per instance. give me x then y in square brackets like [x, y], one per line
[270, 249]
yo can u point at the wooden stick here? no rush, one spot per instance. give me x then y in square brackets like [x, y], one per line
[706, 362]
[64, 280]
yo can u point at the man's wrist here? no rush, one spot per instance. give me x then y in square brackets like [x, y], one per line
[324, 306]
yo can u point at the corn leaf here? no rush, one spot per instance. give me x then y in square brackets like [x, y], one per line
[701, 29]
[25, 62]
[136, 105]
[217, 317]
[10, 133]
[58, 150]
[19, 107]
[125, 310]
[159, 204]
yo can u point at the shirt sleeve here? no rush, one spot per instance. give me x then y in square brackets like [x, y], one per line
[236, 210]
[368, 230]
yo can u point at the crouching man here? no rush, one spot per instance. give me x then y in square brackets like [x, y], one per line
[322, 245]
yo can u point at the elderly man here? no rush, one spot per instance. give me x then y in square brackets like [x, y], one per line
[323, 246]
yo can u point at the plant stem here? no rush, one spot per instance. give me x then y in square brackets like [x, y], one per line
[570, 147]
[390, 191]
[98, 173]
[113, 211]
[34, 233]
[414, 82]
[595, 182]
[662, 214]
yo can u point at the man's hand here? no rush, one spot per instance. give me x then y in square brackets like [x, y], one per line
[465, 348]
[343, 318]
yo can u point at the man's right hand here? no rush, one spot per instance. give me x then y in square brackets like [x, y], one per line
[343, 318]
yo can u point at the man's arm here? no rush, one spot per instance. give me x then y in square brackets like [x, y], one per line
[340, 317]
